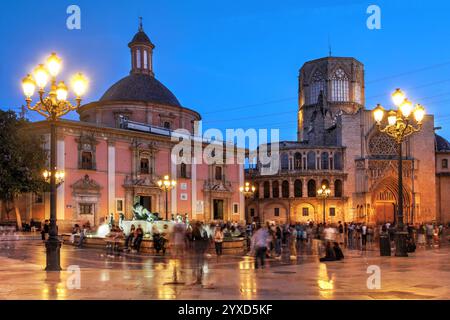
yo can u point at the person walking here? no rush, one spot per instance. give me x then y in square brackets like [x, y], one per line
[341, 233]
[200, 245]
[82, 236]
[278, 235]
[218, 240]
[45, 230]
[293, 243]
[363, 236]
[429, 233]
[259, 244]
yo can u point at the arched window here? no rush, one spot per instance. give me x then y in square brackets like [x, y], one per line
[325, 161]
[86, 160]
[183, 170]
[339, 86]
[138, 58]
[357, 92]
[145, 59]
[275, 189]
[312, 188]
[338, 188]
[218, 173]
[325, 183]
[266, 189]
[298, 161]
[337, 160]
[311, 160]
[298, 186]
[317, 85]
[166, 124]
[284, 161]
[145, 167]
[285, 189]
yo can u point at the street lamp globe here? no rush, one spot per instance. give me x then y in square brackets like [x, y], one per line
[419, 113]
[378, 113]
[41, 76]
[53, 64]
[79, 84]
[406, 108]
[61, 91]
[398, 97]
[392, 118]
[28, 86]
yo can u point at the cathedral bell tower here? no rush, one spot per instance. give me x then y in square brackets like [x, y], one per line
[328, 88]
[141, 52]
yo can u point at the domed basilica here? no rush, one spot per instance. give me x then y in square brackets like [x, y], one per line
[114, 156]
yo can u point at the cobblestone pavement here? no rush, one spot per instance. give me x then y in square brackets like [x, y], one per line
[425, 274]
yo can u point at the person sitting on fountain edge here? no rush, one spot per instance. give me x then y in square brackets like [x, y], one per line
[138, 236]
[130, 238]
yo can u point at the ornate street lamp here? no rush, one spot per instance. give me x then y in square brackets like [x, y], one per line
[59, 176]
[402, 122]
[52, 107]
[323, 193]
[247, 190]
[166, 184]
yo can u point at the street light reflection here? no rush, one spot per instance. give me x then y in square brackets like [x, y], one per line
[247, 279]
[326, 285]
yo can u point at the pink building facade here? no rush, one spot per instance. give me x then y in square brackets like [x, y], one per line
[111, 165]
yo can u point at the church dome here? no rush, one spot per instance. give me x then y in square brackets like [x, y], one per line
[140, 87]
[141, 37]
[442, 144]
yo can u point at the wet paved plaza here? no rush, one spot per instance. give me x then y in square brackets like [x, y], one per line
[425, 274]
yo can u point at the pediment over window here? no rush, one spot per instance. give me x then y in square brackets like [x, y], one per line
[86, 185]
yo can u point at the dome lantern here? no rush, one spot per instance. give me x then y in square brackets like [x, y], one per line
[141, 52]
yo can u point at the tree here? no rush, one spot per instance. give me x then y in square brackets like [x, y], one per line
[22, 161]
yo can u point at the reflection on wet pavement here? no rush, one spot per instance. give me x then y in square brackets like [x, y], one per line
[423, 275]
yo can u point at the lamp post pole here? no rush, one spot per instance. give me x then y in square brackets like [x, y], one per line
[323, 210]
[166, 184]
[53, 244]
[323, 193]
[399, 127]
[52, 107]
[248, 191]
[167, 203]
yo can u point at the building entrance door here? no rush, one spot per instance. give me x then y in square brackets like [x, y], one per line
[146, 202]
[218, 209]
[385, 212]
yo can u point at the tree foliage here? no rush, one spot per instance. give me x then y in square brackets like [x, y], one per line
[22, 158]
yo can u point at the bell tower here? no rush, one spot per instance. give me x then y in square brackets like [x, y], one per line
[328, 87]
[141, 52]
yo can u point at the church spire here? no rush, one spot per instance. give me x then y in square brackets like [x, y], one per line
[141, 52]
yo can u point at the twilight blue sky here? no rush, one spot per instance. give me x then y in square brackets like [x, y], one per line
[236, 62]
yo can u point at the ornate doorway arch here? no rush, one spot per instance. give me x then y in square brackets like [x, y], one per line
[384, 201]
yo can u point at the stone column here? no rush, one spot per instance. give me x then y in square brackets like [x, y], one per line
[173, 192]
[280, 194]
[291, 188]
[305, 189]
[193, 189]
[270, 189]
[112, 179]
[241, 196]
[261, 190]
